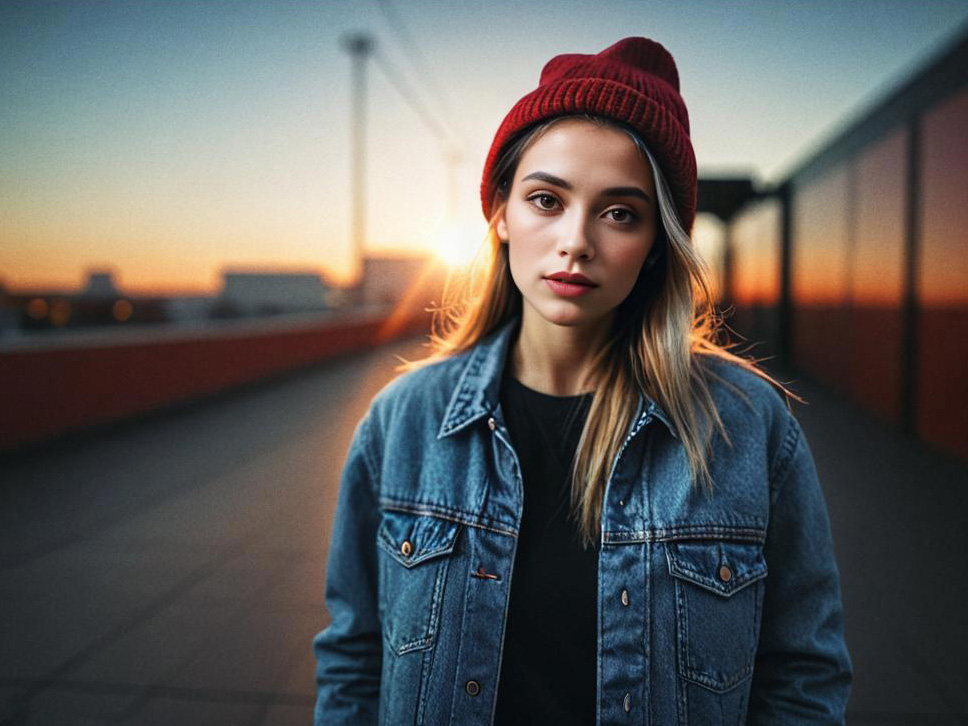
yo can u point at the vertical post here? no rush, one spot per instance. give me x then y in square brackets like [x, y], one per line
[359, 46]
[785, 325]
[727, 294]
[910, 302]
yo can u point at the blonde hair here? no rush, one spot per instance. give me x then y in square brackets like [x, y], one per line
[660, 330]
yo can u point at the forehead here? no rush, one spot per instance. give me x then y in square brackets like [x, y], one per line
[579, 150]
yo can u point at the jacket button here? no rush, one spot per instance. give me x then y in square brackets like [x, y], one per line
[491, 423]
[625, 597]
[725, 574]
[472, 687]
[406, 548]
[627, 703]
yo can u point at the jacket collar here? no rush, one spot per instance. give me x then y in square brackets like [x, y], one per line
[478, 389]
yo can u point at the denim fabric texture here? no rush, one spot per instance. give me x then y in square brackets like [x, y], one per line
[712, 609]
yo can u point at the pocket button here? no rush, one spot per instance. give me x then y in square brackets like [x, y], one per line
[725, 574]
[406, 548]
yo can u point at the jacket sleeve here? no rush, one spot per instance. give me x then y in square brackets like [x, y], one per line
[802, 673]
[349, 651]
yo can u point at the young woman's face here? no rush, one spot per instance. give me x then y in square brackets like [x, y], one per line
[580, 219]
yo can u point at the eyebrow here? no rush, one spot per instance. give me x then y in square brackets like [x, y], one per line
[610, 192]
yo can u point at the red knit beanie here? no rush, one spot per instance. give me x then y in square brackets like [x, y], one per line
[634, 81]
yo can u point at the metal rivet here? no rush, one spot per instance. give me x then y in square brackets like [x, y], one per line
[625, 597]
[628, 702]
[725, 574]
[472, 687]
[621, 502]
[491, 423]
[406, 548]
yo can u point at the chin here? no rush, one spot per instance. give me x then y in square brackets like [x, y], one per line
[568, 315]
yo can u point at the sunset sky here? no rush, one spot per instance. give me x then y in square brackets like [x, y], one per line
[167, 140]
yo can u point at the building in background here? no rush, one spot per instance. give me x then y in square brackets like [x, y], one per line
[413, 281]
[259, 293]
[99, 303]
[855, 267]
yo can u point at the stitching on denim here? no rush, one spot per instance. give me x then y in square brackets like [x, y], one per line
[682, 629]
[447, 513]
[426, 668]
[641, 418]
[440, 576]
[683, 702]
[648, 594]
[383, 540]
[462, 396]
[686, 532]
[704, 581]
[711, 531]
[716, 687]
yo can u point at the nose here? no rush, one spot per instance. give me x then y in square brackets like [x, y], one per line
[576, 240]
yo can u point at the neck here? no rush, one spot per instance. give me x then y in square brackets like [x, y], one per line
[555, 359]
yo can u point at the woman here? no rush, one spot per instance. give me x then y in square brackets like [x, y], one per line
[581, 433]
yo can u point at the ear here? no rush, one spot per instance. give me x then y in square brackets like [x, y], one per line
[501, 226]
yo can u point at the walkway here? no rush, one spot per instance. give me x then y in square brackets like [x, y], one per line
[170, 571]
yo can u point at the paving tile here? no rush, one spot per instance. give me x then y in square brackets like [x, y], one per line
[299, 584]
[157, 649]
[251, 653]
[301, 679]
[288, 716]
[59, 707]
[38, 637]
[894, 718]
[175, 712]
[243, 582]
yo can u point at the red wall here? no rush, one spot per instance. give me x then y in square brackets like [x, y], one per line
[942, 383]
[49, 390]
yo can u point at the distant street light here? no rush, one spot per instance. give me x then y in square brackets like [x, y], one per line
[360, 46]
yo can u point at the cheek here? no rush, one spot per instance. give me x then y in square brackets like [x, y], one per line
[523, 225]
[520, 262]
[629, 259]
[526, 241]
[626, 265]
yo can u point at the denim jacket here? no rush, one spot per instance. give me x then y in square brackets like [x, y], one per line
[719, 608]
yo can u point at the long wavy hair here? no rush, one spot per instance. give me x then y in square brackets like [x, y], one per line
[660, 332]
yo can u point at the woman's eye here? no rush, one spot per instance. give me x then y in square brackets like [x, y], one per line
[544, 202]
[621, 215]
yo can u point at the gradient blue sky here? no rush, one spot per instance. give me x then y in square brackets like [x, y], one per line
[169, 139]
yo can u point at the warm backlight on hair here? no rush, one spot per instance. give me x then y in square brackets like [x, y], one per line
[458, 243]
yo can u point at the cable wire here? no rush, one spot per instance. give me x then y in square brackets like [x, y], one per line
[419, 61]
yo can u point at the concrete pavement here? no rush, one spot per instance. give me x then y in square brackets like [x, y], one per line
[170, 570]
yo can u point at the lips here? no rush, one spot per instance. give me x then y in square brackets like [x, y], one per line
[569, 284]
[573, 278]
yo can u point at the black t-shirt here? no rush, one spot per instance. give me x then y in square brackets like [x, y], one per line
[548, 670]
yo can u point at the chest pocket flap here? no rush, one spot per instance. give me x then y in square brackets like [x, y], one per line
[412, 538]
[721, 567]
